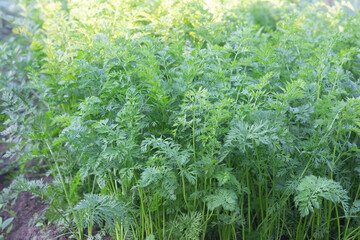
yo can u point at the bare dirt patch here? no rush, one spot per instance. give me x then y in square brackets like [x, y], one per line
[26, 207]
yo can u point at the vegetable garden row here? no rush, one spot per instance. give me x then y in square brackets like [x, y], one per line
[194, 119]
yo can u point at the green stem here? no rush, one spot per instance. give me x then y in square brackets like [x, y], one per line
[66, 193]
[298, 229]
[284, 198]
[348, 220]
[248, 198]
[90, 229]
[63, 217]
[183, 187]
[194, 149]
[338, 222]
[312, 225]
[259, 185]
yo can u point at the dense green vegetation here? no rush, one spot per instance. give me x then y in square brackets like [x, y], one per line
[188, 119]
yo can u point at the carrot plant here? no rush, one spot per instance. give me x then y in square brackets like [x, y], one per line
[192, 119]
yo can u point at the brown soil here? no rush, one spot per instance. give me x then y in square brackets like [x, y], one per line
[26, 208]
[3, 181]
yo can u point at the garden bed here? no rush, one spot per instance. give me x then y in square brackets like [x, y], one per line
[183, 119]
